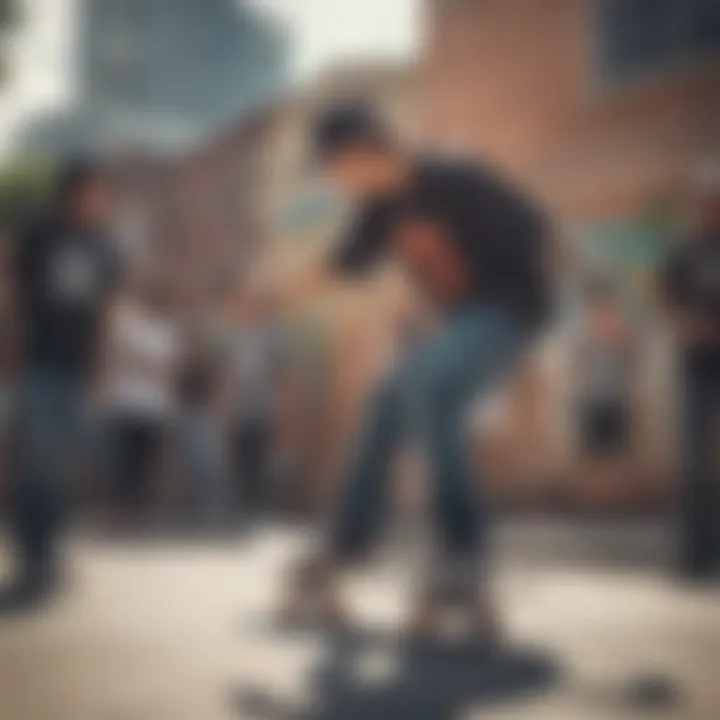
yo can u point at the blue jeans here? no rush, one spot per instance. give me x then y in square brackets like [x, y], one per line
[50, 432]
[427, 396]
[205, 461]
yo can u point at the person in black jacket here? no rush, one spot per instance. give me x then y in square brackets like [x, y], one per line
[66, 273]
[691, 286]
[475, 248]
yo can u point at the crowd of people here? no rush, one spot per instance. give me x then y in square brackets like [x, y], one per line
[116, 384]
[204, 390]
[107, 352]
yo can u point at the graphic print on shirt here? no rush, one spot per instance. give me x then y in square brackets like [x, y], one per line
[73, 276]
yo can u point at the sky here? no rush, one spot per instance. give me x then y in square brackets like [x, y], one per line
[325, 30]
[321, 31]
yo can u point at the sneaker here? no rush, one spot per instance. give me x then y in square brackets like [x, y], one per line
[313, 595]
[30, 592]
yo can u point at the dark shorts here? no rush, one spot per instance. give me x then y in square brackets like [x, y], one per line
[136, 444]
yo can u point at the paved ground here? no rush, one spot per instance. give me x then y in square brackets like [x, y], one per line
[169, 632]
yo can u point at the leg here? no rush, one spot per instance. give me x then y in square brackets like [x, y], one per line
[129, 462]
[362, 500]
[212, 475]
[467, 358]
[148, 443]
[218, 475]
[206, 465]
[361, 504]
[252, 438]
[263, 462]
[48, 430]
[122, 464]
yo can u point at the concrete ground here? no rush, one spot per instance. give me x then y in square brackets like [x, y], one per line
[166, 631]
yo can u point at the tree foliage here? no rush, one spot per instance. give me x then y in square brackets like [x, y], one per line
[9, 18]
[9, 14]
[23, 186]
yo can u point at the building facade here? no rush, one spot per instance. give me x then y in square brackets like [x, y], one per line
[602, 106]
[210, 214]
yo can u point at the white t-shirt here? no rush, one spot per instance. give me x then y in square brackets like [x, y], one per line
[148, 348]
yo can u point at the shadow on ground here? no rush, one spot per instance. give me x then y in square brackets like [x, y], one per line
[421, 683]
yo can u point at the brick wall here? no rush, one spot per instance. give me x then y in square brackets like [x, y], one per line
[518, 82]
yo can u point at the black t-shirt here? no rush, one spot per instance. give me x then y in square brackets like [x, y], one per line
[691, 283]
[66, 279]
[499, 234]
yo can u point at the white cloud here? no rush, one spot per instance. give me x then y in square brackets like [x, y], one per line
[326, 30]
[40, 58]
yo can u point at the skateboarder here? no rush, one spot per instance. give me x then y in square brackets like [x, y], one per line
[475, 247]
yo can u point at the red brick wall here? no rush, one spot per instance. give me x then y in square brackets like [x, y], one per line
[213, 204]
[516, 81]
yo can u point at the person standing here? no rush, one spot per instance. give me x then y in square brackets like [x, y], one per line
[691, 289]
[142, 367]
[257, 361]
[475, 248]
[607, 374]
[67, 271]
[202, 394]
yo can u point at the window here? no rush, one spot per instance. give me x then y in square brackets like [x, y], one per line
[640, 36]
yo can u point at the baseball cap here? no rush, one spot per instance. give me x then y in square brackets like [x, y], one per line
[344, 124]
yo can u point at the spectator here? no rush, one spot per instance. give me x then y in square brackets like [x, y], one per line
[143, 357]
[67, 273]
[607, 367]
[691, 288]
[202, 450]
[257, 358]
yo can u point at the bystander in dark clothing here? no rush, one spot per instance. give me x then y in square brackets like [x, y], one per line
[607, 373]
[66, 275]
[692, 291]
[67, 271]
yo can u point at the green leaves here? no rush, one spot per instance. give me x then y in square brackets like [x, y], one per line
[9, 19]
[9, 14]
[23, 185]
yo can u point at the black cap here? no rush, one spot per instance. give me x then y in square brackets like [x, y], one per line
[345, 124]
